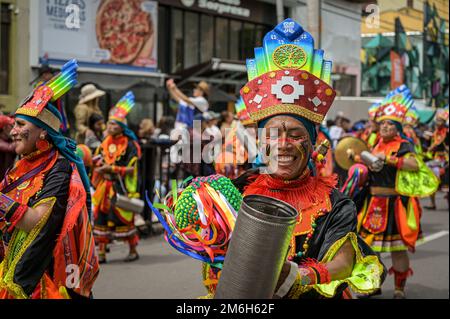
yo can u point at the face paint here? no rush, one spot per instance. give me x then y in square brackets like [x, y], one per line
[302, 150]
[289, 148]
[25, 135]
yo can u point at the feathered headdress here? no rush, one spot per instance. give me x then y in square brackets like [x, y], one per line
[411, 117]
[288, 76]
[35, 104]
[123, 108]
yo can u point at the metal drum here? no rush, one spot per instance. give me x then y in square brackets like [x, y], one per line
[258, 249]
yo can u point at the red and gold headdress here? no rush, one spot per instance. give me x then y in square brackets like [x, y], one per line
[288, 76]
[122, 108]
[395, 105]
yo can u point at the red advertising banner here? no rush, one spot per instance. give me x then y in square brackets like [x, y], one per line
[397, 73]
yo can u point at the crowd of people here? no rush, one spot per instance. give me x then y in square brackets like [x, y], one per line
[63, 203]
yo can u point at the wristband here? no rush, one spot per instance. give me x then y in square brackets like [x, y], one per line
[400, 163]
[322, 276]
[11, 212]
[118, 170]
[392, 160]
[308, 276]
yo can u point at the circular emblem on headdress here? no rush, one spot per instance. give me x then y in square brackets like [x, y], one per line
[389, 110]
[289, 56]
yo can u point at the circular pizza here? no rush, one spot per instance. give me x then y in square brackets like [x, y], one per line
[123, 29]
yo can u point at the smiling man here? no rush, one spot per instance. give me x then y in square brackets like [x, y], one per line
[289, 100]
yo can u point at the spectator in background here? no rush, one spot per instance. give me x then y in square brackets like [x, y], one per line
[228, 122]
[188, 107]
[87, 105]
[146, 130]
[336, 131]
[358, 128]
[7, 148]
[45, 74]
[329, 123]
[211, 126]
[95, 133]
[340, 129]
[165, 127]
[346, 124]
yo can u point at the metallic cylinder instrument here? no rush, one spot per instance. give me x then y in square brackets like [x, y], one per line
[371, 160]
[257, 250]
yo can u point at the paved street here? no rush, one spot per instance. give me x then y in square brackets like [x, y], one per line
[162, 272]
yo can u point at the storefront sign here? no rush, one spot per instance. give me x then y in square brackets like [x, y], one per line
[112, 34]
[249, 10]
[232, 7]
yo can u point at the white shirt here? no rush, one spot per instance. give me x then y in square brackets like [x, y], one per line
[200, 103]
[336, 133]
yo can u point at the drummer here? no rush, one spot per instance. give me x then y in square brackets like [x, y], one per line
[288, 101]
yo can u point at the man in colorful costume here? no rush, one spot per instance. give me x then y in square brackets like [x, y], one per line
[389, 221]
[437, 152]
[233, 158]
[44, 219]
[288, 92]
[118, 169]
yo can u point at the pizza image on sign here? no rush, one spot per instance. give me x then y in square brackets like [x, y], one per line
[125, 30]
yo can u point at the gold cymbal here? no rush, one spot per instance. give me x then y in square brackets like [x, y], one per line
[348, 145]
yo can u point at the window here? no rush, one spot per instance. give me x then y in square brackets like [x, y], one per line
[5, 37]
[194, 38]
[221, 38]
[260, 32]
[206, 38]
[191, 39]
[235, 36]
[177, 41]
[163, 45]
[248, 41]
[345, 84]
